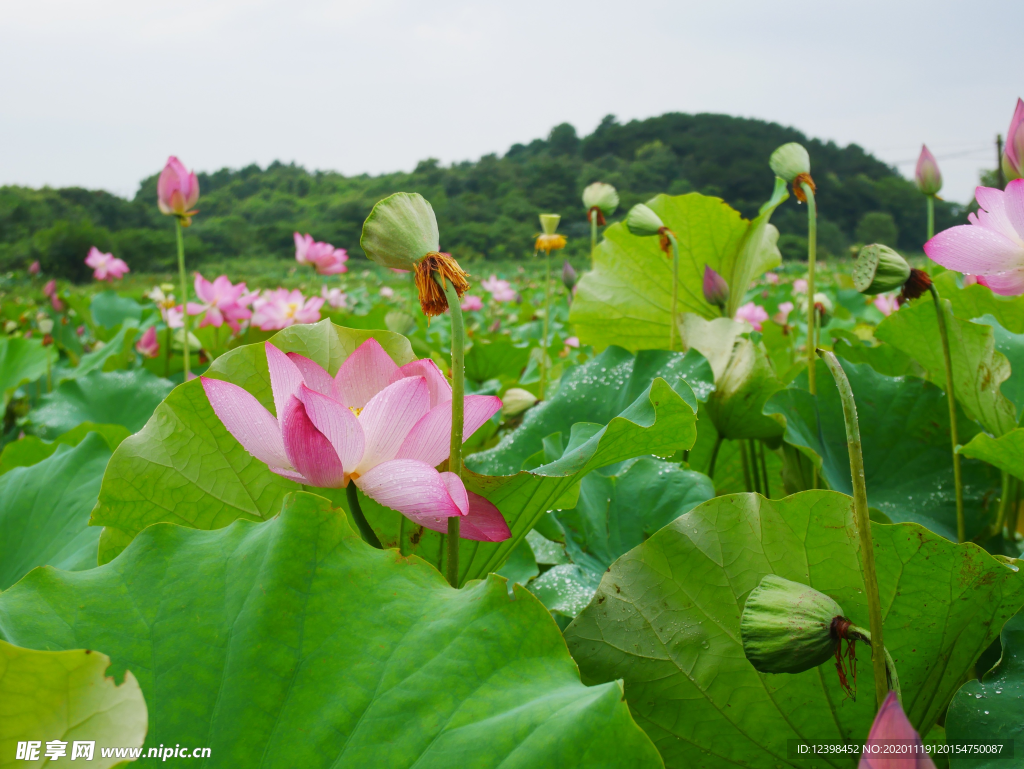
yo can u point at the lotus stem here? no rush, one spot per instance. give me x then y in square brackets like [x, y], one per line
[892, 679]
[547, 313]
[746, 466]
[961, 533]
[996, 527]
[863, 522]
[184, 296]
[593, 233]
[458, 409]
[764, 469]
[1010, 521]
[931, 216]
[352, 495]
[714, 457]
[675, 291]
[812, 252]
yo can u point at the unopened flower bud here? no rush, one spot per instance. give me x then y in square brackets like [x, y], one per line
[879, 269]
[716, 290]
[569, 276]
[927, 176]
[515, 401]
[643, 222]
[600, 198]
[1013, 150]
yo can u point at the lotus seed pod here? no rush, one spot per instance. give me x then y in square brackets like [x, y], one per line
[790, 160]
[602, 197]
[516, 401]
[824, 307]
[786, 627]
[643, 222]
[879, 269]
[400, 230]
[549, 223]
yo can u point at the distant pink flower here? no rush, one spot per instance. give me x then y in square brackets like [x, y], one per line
[500, 290]
[221, 301]
[771, 278]
[387, 292]
[374, 424]
[472, 303]
[335, 297]
[34, 268]
[282, 308]
[1013, 151]
[105, 266]
[799, 286]
[50, 289]
[782, 316]
[148, 344]
[174, 317]
[177, 190]
[992, 245]
[754, 314]
[325, 258]
[572, 341]
[927, 176]
[887, 304]
[891, 727]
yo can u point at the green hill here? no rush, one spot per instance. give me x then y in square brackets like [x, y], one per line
[487, 209]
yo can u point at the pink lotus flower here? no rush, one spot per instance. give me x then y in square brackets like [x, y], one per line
[891, 727]
[782, 316]
[105, 266]
[387, 292]
[472, 303]
[927, 175]
[771, 278]
[887, 304]
[992, 245]
[174, 317]
[325, 258]
[177, 190]
[800, 286]
[34, 268]
[572, 341]
[282, 308]
[754, 314]
[50, 289]
[500, 290]
[222, 302]
[335, 297]
[148, 344]
[1013, 151]
[374, 424]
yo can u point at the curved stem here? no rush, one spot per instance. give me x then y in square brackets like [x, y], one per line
[996, 527]
[931, 216]
[352, 495]
[593, 234]
[1010, 522]
[714, 457]
[547, 313]
[675, 292]
[812, 251]
[892, 679]
[458, 409]
[961, 533]
[860, 514]
[184, 297]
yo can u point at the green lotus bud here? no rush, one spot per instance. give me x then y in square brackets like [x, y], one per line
[601, 196]
[879, 269]
[790, 160]
[787, 627]
[515, 401]
[549, 223]
[400, 230]
[643, 222]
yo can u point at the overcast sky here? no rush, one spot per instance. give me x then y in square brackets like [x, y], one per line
[97, 93]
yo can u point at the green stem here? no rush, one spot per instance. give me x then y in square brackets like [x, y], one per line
[860, 510]
[996, 527]
[746, 467]
[940, 314]
[547, 312]
[892, 679]
[1010, 522]
[352, 494]
[714, 457]
[167, 352]
[764, 469]
[931, 216]
[593, 234]
[675, 291]
[458, 409]
[812, 251]
[184, 296]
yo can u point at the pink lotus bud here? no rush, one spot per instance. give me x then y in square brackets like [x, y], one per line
[572, 341]
[1013, 151]
[472, 303]
[177, 190]
[892, 728]
[771, 278]
[34, 268]
[148, 344]
[50, 289]
[927, 176]
[716, 290]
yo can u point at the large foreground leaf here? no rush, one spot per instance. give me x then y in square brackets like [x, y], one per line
[30, 450]
[1005, 452]
[66, 696]
[294, 644]
[44, 511]
[21, 361]
[904, 427]
[666, 619]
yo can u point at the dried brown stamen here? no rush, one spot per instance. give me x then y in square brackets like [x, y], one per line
[798, 190]
[918, 282]
[432, 296]
[846, 661]
[600, 215]
[664, 242]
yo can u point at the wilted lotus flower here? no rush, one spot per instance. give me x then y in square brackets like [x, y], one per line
[569, 276]
[34, 268]
[600, 199]
[716, 290]
[148, 344]
[754, 314]
[1013, 150]
[325, 258]
[927, 176]
[893, 728]
[177, 190]
[222, 302]
[374, 424]
[500, 290]
[992, 245]
[105, 266]
[792, 163]
[472, 303]
[282, 308]
[549, 240]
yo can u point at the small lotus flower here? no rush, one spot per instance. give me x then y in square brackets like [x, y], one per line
[335, 297]
[374, 424]
[600, 199]
[472, 303]
[800, 286]
[177, 191]
[222, 302]
[282, 308]
[782, 316]
[148, 345]
[1013, 151]
[927, 176]
[892, 727]
[569, 276]
[754, 314]
[515, 401]
[387, 292]
[105, 266]
[572, 341]
[548, 240]
[886, 304]
[991, 247]
[325, 258]
[500, 290]
[34, 268]
[716, 290]
[771, 278]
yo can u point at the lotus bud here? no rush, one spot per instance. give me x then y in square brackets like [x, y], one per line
[600, 198]
[825, 309]
[879, 269]
[515, 401]
[177, 190]
[716, 290]
[643, 222]
[34, 268]
[792, 163]
[569, 276]
[1013, 151]
[401, 233]
[927, 176]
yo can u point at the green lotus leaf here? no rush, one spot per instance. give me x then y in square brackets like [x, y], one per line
[883, 358]
[992, 709]
[496, 359]
[976, 300]
[22, 361]
[666, 619]
[1005, 452]
[30, 450]
[626, 299]
[125, 398]
[66, 696]
[1012, 346]
[293, 643]
[110, 310]
[978, 368]
[904, 430]
[44, 511]
[116, 353]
